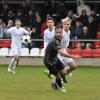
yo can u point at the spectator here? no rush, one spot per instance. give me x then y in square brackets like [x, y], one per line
[93, 13]
[61, 9]
[10, 15]
[4, 12]
[84, 17]
[85, 35]
[29, 19]
[44, 25]
[20, 15]
[77, 30]
[37, 24]
[92, 26]
[33, 35]
[25, 7]
[9, 25]
[71, 15]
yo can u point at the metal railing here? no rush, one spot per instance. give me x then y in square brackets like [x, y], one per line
[78, 40]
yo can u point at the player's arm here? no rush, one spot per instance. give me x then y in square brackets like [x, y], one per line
[46, 41]
[64, 53]
[9, 30]
[26, 32]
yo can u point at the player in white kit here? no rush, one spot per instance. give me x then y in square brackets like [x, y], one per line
[16, 35]
[65, 43]
[49, 32]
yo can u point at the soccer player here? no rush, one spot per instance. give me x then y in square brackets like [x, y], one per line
[65, 43]
[16, 35]
[51, 60]
[48, 35]
[49, 32]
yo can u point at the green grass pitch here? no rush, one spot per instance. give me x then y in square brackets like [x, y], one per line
[30, 83]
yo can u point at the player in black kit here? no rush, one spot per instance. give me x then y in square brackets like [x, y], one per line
[51, 60]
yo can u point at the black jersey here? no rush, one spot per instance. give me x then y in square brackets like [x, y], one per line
[52, 51]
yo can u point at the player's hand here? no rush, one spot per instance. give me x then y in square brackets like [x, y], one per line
[77, 57]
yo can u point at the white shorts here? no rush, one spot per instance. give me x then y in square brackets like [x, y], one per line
[16, 51]
[65, 60]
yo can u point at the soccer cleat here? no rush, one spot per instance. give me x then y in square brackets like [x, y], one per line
[55, 86]
[64, 79]
[49, 75]
[9, 69]
[70, 74]
[13, 72]
[63, 90]
[46, 72]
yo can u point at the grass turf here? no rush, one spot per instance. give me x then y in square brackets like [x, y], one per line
[30, 83]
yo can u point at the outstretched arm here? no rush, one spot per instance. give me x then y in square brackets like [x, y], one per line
[64, 53]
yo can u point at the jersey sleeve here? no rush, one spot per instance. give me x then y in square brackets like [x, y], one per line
[9, 30]
[26, 32]
[65, 44]
[46, 41]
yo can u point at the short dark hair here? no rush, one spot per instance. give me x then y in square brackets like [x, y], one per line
[17, 19]
[50, 18]
[83, 11]
[58, 26]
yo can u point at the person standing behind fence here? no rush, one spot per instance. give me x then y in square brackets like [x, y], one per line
[16, 35]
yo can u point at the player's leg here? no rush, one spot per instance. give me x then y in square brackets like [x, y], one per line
[46, 71]
[13, 63]
[13, 50]
[71, 68]
[64, 79]
[58, 67]
[56, 83]
[68, 61]
[10, 65]
[51, 76]
[15, 59]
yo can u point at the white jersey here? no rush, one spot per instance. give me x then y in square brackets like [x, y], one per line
[64, 44]
[48, 35]
[65, 39]
[16, 36]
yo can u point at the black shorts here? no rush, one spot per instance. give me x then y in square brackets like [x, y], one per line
[55, 68]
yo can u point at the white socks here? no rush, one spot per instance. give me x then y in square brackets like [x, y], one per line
[13, 64]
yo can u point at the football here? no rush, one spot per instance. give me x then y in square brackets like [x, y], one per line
[26, 39]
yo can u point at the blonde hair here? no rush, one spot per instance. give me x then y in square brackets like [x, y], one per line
[66, 19]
